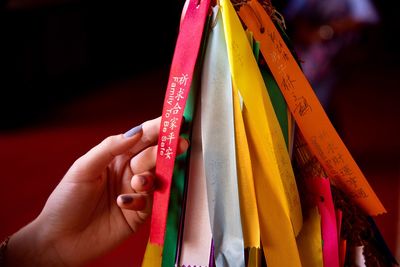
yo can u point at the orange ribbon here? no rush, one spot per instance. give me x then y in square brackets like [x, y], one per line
[320, 135]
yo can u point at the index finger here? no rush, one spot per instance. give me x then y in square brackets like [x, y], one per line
[149, 136]
[91, 164]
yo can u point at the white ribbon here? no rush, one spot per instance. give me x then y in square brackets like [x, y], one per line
[196, 240]
[217, 128]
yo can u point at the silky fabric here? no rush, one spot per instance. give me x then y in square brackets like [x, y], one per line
[320, 135]
[276, 191]
[320, 189]
[180, 78]
[175, 219]
[177, 195]
[247, 194]
[248, 201]
[309, 240]
[178, 87]
[217, 129]
[278, 101]
[152, 256]
[179, 180]
[196, 240]
[246, 75]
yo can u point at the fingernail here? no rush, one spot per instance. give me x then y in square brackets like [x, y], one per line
[133, 131]
[126, 199]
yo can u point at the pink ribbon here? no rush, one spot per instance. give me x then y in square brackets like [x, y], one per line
[320, 188]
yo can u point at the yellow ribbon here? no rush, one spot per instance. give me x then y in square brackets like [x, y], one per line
[309, 240]
[276, 191]
[153, 255]
[247, 194]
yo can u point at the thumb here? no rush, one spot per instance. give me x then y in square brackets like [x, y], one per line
[97, 159]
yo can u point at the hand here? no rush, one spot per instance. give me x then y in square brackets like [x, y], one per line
[101, 201]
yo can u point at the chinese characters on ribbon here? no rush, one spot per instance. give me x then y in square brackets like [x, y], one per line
[320, 135]
[280, 57]
[175, 101]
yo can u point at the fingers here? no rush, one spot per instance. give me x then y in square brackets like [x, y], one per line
[138, 141]
[143, 182]
[146, 160]
[132, 201]
[143, 185]
[96, 160]
[133, 141]
[149, 137]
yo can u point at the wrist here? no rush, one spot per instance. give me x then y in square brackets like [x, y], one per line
[30, 247]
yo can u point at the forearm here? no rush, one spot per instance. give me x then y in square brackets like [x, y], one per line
[30, 247]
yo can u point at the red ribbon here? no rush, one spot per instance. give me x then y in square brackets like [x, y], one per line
[180, 78]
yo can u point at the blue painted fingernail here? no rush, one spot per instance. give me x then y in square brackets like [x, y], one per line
[126, 199]
[133, 131]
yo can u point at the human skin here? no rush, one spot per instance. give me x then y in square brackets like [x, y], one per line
[101, 201]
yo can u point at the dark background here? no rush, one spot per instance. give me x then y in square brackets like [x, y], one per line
[73, 72]
[52, 54]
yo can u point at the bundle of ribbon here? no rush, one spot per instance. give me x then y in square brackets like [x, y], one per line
[238, 197]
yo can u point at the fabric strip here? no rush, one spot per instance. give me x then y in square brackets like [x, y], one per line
[278, 103]
[175, 219]
[282, 112]
[247, 194]
[196, 239]
[212, 258]
[276, 191]
[320, 188]
[217, 128]
[179, 81]
[152, 256]
[321, 137]
[179, 180]
[309, 240]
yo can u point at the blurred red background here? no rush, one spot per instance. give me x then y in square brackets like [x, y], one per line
[74, 72]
